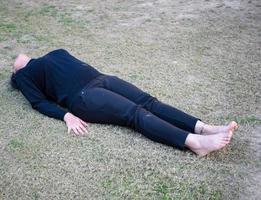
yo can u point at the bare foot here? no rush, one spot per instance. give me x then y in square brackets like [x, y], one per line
[210, 129]
[204, 144]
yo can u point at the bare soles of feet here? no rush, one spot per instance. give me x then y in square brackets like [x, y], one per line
[210, 130]
[205, 144]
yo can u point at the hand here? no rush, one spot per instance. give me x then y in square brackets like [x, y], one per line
[76, 124]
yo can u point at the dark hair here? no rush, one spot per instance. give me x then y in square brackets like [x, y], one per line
[13, 81]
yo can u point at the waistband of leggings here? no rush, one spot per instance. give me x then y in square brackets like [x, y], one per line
[97, 78]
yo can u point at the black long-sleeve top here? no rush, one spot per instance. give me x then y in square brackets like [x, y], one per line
[52, 79]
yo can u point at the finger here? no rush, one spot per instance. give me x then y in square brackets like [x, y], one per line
[70, 130]
[81, 132]
[85, 131]
[76, 131]
[227, 139]
[73, 132]
[84, 123]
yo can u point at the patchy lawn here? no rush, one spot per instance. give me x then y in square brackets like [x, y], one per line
[200, 56]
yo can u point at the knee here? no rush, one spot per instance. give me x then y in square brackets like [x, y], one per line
[138, 117]
[110, 81]
[134, 115]
[111, 78]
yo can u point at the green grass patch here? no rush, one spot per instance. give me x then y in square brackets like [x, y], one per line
[48, 10]
[186, 191]
[162, 190]
[7, 27]
[6, 30]
[119, 187]
[243, 120]
[66, 20]
[35, 196]
[16, 144]
[60, 16]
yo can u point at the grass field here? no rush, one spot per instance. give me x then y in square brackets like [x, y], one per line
[200, 56]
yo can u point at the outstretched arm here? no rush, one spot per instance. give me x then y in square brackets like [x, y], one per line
[39, 102]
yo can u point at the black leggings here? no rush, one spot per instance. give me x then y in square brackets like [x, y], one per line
[111, 100]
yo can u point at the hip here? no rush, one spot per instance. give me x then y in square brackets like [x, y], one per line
[96, 82]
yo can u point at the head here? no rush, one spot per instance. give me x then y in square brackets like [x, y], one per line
[20, 62]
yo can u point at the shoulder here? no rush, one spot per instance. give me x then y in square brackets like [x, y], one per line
[26, 72]
[58, 51]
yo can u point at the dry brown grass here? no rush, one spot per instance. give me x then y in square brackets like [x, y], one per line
[203, 57]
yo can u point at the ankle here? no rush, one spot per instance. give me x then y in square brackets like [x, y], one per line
[200, 127]
[192, 141]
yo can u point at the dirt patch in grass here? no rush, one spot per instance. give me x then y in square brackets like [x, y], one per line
[200, 56]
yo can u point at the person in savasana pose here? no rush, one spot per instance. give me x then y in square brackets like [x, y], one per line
[58, 80]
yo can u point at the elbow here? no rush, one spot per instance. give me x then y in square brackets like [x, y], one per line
[13, 82]
[36, 105]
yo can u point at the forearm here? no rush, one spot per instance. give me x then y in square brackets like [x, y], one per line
[50, 110]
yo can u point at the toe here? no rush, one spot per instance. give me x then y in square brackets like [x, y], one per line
[223, 144]
[225, 140]
[230, 134]
[233, 125]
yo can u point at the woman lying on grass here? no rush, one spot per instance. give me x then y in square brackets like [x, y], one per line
[58, 80]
